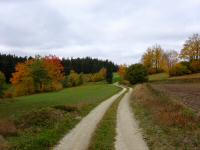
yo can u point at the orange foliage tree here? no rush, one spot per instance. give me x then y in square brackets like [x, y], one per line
[55, 71]
[37, 75]
[22, 80]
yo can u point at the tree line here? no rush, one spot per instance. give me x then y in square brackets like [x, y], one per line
[157, 60]
[87, 65]
[45, 74]
[80, 65]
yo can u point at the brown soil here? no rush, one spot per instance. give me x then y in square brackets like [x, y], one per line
[188, 93]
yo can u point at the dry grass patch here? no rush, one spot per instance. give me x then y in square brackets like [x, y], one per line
[3, 143]
[167, 124]
[7, 128]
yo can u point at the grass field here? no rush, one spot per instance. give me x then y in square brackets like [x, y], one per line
[190, 76]
[165, 77]
[90, 93]
[39, 121]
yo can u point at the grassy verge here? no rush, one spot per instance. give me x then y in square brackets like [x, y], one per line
[39, 121]
[164, 78]
[167, 125]
[104, 136]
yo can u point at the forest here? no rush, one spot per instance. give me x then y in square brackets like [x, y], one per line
[80, 65]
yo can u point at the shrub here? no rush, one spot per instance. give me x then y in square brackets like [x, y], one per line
[72, 79]
[40, 118]
[185, 63]
[179, 69]
[95, 77]
[87, 77]
[56, 86]
[195, 66]
[67, 108]
[137, 73]
[8, 94]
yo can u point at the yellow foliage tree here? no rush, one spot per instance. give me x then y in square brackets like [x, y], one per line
[122, 71]
[191, 48]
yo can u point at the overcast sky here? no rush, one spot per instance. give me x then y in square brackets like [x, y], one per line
[119, 30]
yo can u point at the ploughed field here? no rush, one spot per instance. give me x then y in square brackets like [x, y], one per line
[187, 93]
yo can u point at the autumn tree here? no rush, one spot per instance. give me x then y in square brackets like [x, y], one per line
[38, 75]
[137, 73]
[158, 55]
[73, 79]
[122, 71]
[171, 58]
[102, 73]
[191, 48]
[153, 59]
[55, 71]
[54, 67]
[148, 58]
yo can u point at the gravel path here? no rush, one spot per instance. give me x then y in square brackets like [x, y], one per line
[79, 137]
[128, 136]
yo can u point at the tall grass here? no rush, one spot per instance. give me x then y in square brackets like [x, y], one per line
[166, 123]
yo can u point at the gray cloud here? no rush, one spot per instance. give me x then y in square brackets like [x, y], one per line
[119, 30]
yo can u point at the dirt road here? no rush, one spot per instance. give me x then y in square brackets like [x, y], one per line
[128, 134]
[79, 137]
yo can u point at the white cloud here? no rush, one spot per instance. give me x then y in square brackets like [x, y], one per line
[119, 30]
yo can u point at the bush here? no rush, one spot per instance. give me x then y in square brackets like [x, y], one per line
[195, 66]
[56, 86]
[67, 108]
[179, 69]
[43, 117]
[8, 94]
[137, 73]
[72, 79]
[95, 77]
